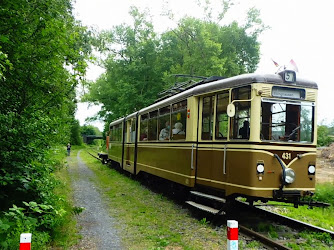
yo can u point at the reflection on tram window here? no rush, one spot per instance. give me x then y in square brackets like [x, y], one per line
[143, 127]
[153, 126]
[132, 130]
[116, 133]
[221, 116]
[287, 121]
[164, 124]
[179, 119]
[207, 117]
[242, 113]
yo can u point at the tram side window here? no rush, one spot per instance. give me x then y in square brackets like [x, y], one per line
[111, 134]
[283, 121]
[241, 121]
[222, 117]
[143, 127]
[153, 125]
[132, 130]
[114, 133]
[119, 132]
[164, 123]
[125, 133]
[179, 119]
[207, 117]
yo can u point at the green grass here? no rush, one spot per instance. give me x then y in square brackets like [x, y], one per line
[150, 221]
[311, 240]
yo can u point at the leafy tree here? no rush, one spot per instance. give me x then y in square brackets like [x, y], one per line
[131, 68]
[331, 129]
[141, 63]
[42, 58]
[90, 130]
[323, 136]
[76, 138]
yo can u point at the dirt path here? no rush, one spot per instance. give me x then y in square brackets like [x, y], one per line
[95, 224]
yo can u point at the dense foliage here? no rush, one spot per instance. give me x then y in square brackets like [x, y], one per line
[89, 130]
[140, 62]
[42, 57]
[325, 135]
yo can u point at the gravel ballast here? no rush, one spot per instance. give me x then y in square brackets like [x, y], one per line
[95, 224]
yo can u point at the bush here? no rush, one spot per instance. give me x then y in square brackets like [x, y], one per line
[325, 193]
[323, 136]
[40, 216]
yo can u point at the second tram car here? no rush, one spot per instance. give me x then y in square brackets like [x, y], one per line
[251, 135]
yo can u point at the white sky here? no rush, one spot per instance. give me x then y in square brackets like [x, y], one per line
[300, 30]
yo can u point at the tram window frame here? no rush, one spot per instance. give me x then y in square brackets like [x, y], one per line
[164, 117]
[296, 121]
[207, 127]
[143, 127]
[153, 126]
[222, 118]
[179, 115]
[125, 127]
[242, 113]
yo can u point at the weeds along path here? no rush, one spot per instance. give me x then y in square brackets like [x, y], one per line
[95, 224]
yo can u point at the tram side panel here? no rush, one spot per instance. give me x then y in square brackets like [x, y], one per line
[115, 152]
[129, 155]
[243, 177]
[171, 162]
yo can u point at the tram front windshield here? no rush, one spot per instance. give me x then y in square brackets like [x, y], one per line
[287, 121]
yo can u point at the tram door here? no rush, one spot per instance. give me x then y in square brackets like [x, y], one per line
[205, 141]
[213, 133]
[129, 147]
[219, 165]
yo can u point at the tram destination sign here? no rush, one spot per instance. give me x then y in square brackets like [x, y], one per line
[288, 93]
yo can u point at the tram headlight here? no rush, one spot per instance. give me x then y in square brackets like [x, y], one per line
[311, 170]
[290, 176]
[260, 168]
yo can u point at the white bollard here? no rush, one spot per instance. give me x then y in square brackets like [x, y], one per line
[25, 241]
[232, 235]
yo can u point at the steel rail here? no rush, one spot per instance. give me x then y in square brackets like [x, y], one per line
[265, 240]
[93, 155]
[286, 220]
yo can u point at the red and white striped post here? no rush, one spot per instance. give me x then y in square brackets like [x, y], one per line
[232, 234]
[25, 241]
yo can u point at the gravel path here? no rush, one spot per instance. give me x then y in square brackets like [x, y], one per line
[95, 224]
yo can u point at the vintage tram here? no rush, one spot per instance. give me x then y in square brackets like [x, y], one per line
[252, 135]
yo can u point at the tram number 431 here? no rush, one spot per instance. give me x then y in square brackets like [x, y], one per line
[286, 156]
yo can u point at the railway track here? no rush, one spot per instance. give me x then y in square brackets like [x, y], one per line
[252, 217]
[271, 229]
[93, 154]
[285, 219]
[269, 243]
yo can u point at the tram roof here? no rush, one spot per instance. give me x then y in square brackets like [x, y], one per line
[231, 82]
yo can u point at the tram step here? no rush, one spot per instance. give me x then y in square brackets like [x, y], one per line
[208, 196]
[204, 208]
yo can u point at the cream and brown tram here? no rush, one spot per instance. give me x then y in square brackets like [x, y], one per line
[251, 135]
